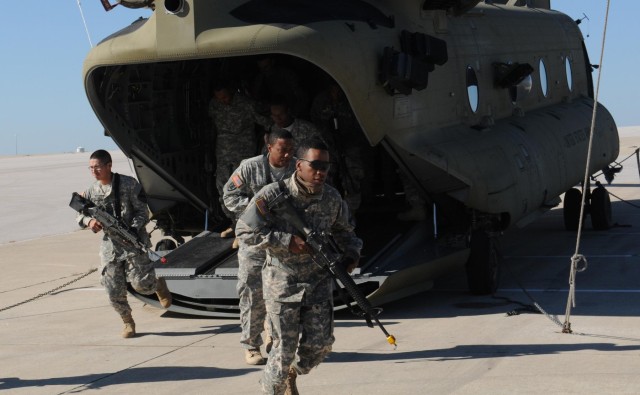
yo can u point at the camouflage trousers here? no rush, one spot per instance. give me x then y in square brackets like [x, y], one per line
[252, 307]
[307, 329]
[138, 270]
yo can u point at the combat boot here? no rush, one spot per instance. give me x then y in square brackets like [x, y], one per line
[253, 357]
[291, 388]
[164, 296]
[129, 326]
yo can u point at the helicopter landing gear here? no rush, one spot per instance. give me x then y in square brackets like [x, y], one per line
[483, 265]
[597, 204]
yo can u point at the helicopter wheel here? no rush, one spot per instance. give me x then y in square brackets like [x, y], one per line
[600, 209]
[571, 209]
[165, 245]
[483, 265]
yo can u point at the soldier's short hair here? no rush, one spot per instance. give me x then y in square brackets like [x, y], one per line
[220, 84]
[312, 143]
[274, 135]
[102, 155]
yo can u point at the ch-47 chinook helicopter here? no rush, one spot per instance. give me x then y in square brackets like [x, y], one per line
[485, 106]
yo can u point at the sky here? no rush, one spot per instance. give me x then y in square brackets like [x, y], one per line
[44, 108]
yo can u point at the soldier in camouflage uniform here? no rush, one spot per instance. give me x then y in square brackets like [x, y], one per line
[299, 128]
[274, 79]
[120, 262]
[234, 117]
[297, 292]
[246, 181]
[331, 111]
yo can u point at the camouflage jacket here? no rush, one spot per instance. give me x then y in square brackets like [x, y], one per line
[290, 277]
[247, 180]
[235, 124]
[303, 130]
[338, 119]
[133, 213]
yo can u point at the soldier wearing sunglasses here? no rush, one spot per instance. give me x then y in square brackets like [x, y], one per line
[297, 292]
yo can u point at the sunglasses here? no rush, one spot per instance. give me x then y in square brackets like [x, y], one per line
[319, 165]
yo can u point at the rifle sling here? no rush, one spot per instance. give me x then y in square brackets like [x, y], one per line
[115, 189]
[267, 169]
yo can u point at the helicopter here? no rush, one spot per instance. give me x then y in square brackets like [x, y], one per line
[482, 108]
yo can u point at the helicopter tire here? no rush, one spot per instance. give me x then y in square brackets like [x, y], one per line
[571, 209]
[600, 209]
[483, 265]
[166, 245]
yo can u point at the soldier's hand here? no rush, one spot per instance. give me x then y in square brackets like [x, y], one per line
[350, 264]
[95, 226]
[297, 245]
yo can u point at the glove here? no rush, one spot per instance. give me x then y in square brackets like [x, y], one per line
[349, 264]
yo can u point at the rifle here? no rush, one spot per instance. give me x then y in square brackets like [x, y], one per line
[113, 227]
[326, 253]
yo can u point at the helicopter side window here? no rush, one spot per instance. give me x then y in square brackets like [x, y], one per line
[472, 89]
[542, 72]
[569, 72]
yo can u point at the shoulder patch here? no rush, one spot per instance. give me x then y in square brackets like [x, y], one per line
[236, 182]
[261, 204]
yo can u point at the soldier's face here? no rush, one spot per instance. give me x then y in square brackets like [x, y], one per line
[313, 168]
[280, 116]
[223, 96]
[281, 152]
[100, 171]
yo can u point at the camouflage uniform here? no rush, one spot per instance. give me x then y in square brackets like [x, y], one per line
[246, 181]
[297, 292]
[235, 135]
[347, 142]
[283, 82]
[302, 130]
[118, 262]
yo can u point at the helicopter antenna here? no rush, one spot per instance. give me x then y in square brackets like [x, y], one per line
[85, 23]
[579, 21]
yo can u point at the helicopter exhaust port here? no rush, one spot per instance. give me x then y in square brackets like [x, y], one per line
[174, 7]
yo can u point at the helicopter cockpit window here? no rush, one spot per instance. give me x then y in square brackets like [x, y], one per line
[542, 71]
[567, 67]
[472, 89]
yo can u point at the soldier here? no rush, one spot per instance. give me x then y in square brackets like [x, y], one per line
[331, 111]
[299, 128]
[297, 292]
[123, 197]
[234, 117]
[274, 80]
[246, 181]
[417, 204]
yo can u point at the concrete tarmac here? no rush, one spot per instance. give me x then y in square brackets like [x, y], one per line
[449, 342]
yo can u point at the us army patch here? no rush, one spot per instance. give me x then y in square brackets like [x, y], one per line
[261, 204]
[236, 182]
